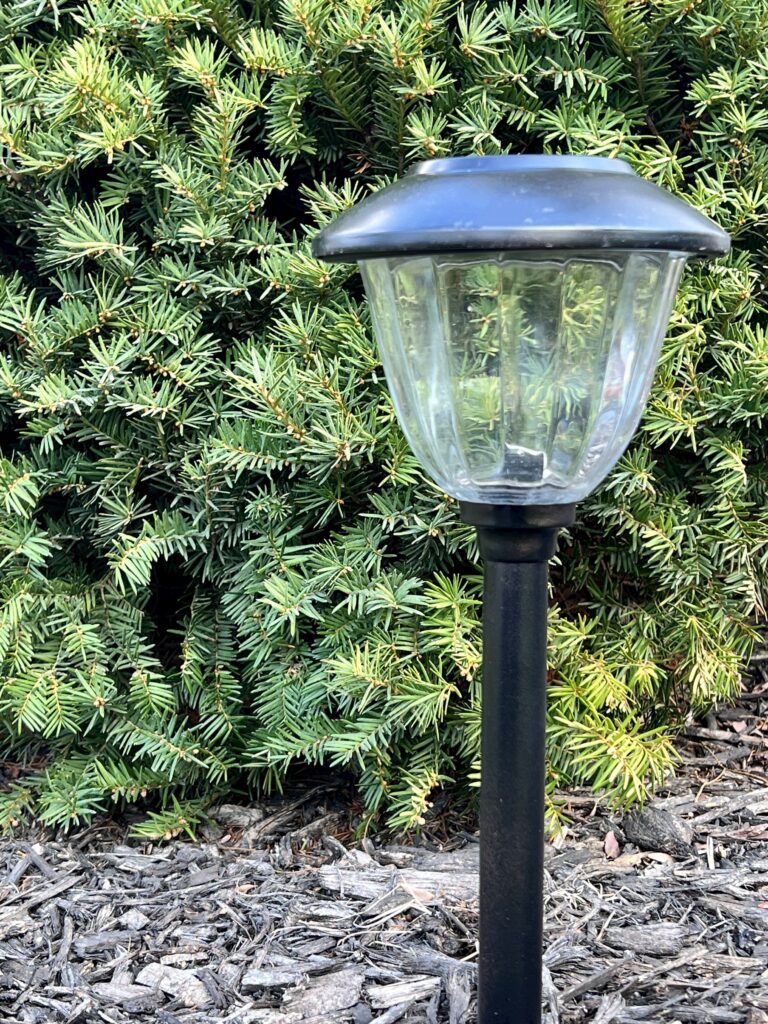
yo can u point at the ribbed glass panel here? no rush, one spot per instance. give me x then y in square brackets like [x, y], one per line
[521, 380]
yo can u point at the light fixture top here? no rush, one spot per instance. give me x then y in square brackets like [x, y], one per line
[511, 203]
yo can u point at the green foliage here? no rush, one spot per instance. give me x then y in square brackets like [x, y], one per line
[218, 556]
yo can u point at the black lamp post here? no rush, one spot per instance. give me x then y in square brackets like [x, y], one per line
[519, 303]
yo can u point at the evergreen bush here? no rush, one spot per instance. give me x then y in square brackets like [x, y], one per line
[218, 557]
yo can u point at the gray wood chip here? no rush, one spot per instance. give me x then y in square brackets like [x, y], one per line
[121, 993]
[381, 997]
[373, 881]
[264, 977]
[650, 939]
[337, 991]
[657, 829]
[15, 923]
[133, 919]
[102, 940]
[184, 986]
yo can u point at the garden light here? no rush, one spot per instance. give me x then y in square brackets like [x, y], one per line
[519, 303]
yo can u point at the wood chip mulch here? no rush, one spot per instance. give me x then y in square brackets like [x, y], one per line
[269, 919]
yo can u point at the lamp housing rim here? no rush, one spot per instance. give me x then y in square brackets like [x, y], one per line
[518, 204]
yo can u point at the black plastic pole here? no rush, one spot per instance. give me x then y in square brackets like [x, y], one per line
[516, 543]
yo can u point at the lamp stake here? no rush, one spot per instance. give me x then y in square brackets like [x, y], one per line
[516, 543]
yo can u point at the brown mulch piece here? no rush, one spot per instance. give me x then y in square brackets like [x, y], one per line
[660, 915]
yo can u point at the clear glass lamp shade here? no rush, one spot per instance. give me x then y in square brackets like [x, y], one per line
[520, 378]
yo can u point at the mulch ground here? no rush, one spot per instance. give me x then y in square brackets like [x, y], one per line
[269, 919]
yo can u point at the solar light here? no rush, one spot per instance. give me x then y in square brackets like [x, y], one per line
[519, 304]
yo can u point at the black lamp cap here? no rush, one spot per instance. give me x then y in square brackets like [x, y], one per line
[510, 203]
